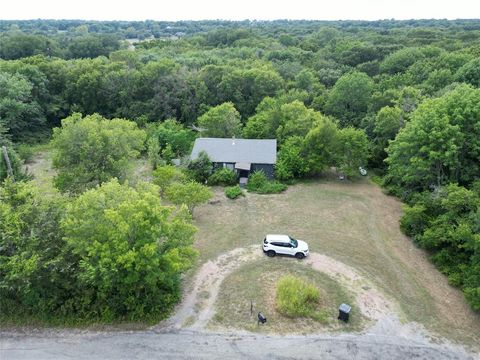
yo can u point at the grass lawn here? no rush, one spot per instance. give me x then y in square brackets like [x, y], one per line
[354, 223]
[256, 283]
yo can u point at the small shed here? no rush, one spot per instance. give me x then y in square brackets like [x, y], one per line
[243, 155]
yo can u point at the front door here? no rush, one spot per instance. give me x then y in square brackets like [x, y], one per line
[243, 173]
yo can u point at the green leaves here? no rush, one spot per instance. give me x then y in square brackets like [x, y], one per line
[128, 243]
[92, 150]
[446, 223]
[440, 144]
[349, 99]
[190, 193]
[222, 121]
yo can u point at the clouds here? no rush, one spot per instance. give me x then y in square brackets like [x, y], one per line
[239, 10]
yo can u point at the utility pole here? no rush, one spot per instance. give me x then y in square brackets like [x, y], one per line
[7, 161]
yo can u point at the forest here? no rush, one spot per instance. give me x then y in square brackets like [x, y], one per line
[401, 98]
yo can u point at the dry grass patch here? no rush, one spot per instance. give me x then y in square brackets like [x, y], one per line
[355, 223]
[256, 283]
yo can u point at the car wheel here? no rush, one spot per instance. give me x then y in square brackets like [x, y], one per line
[271, 253]
[299, 255]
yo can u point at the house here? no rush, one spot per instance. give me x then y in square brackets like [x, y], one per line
[243, 155]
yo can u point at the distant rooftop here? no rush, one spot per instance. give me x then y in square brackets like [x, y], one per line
[237, 150]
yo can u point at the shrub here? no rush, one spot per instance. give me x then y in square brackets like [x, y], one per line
[224, 177]
[164, 176]
[297, 298]
[200, 168]
[15, 163]
[189, 193]
[233, 192]
[25, 152]
[272, 187]
[258, 182]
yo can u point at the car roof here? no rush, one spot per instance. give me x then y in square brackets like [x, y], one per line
[276, 237]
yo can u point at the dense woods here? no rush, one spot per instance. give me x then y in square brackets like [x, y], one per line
[399, 97]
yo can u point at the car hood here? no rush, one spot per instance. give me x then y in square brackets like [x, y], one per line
[302, 245]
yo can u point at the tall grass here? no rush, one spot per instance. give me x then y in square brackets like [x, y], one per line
[298, 298]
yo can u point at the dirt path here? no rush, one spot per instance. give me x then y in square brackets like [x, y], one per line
[185, 335]
[198, 307]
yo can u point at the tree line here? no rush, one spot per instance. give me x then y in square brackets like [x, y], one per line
[399, 97]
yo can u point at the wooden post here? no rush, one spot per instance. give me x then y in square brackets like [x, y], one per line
[7, 161]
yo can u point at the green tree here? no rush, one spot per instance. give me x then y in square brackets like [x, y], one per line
[401, 60]
[19, 112]
[171, 132]
[221, 121]
[164, 176]
[264, 124]
[349, 99]
[388, 121]
[352, 145]
[131, 251]
[200, 169]
[296, 120]
[91, 150]
[320, 146]
[35, 276]
[470, 73]
[190, 194]
[291, 163]
[247, 88]
[439, 144]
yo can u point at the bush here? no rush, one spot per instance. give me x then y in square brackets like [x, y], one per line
[297, 298]
[233, 192]
[164, 176]
[258, 182]
[15, 162]
[26, 152]
[200, 168]
[224, 177]
[272, 187]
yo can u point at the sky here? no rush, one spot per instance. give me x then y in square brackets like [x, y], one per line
[173, 10]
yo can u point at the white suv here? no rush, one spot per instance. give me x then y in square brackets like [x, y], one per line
[284, 244]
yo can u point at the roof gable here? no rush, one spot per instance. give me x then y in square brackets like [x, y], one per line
[252, 151]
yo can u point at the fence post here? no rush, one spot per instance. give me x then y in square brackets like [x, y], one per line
[7, 161]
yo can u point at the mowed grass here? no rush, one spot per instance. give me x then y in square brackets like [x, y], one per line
[256, 283]
[355, 223]
[40, 166]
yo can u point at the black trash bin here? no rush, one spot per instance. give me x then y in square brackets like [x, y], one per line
[344, 312]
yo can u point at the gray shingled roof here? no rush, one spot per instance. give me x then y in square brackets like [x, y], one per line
[243, 150]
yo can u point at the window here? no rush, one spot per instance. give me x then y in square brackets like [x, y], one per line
[293, 242]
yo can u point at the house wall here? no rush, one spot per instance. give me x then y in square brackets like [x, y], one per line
[219, 165]
[267, 169]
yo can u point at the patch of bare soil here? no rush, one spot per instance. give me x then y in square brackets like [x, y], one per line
[197, 307]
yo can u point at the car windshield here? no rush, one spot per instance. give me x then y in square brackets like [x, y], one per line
[293, 242]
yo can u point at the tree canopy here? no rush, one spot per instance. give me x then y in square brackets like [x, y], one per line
[91, 150]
